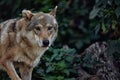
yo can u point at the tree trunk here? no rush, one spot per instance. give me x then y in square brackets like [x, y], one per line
[104, 69]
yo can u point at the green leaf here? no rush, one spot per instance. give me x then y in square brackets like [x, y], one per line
[49, 77]
[97, 28]
[67, 72]
[117, 12]
[103, 27]
[49, 69]
[60, 78]
[54, 55]
[61, 65]
[69, 59]
[94, 13]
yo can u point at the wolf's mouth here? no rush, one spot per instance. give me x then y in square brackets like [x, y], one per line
[45, 46]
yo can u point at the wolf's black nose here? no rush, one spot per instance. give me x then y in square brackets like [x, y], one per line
[45, 43]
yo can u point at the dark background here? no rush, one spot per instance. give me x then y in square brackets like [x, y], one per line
[81, 23]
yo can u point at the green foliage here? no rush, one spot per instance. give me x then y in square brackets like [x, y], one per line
[108, 13]
[57, 64]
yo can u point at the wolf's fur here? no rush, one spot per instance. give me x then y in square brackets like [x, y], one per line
[23, 41]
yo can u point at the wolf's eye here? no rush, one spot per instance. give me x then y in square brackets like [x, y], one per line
[37, 28]
[49, 28]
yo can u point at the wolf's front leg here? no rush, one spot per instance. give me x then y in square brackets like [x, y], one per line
[9, 68]
[26, 72]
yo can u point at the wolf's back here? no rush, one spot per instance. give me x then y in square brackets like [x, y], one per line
[5, 28]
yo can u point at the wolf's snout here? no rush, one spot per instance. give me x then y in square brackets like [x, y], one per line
[45, 43]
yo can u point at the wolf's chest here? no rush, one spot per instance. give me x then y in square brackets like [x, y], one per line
[34, 56]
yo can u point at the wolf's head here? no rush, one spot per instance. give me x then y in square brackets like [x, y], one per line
[43, 26]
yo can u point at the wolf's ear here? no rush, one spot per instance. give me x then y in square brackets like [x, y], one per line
[53, 12]
[27, 14]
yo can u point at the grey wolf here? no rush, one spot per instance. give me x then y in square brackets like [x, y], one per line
[23, 41]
